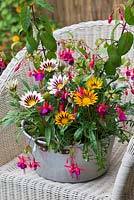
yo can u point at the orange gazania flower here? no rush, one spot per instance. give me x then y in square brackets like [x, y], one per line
[85, 97]
[64, 118]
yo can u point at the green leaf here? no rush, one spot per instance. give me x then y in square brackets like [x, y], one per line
[51, 55]
[125, 43]
[129, 15]
[93, 141]
[78, 133]
[45, 5]
[48, 133]
[113, 30]
[31, 43]
[114, 56]
[26, 84]
[25, 18]
[109, 69]
[48, 28]
[49, 41]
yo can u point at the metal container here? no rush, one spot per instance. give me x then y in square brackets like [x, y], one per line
[52, 164]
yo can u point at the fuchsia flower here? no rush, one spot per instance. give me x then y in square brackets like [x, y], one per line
[39, 75]
[46, 109]
[122, 116]
[34, 165]
[73, 168]
[128, 72]
[91, 64]
[23, 164]
[66, 55]
[2, 65]
[102, 110]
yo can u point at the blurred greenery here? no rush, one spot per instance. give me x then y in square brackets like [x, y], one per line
[13, 37]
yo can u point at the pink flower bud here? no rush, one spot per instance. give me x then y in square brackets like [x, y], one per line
[126, 92]
[132, 90]
[17, 67]
[91, 64]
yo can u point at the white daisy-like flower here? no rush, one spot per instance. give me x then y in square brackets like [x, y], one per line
[49, 65]
[12, 84]
[30, 99]
[56, 83]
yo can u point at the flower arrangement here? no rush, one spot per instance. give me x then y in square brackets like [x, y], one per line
[77, 96]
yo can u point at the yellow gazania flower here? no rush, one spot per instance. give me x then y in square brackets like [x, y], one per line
[94, 83]
[15, 38]
[64, 118]
[85, 98]
[18, 9]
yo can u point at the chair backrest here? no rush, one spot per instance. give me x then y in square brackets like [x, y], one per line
[8, 146]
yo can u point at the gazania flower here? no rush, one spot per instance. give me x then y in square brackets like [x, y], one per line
[45, 109]
[12, 85]
[49, 65]
[64, 118]
[94, 83]
[31, 99]
[57, 83]
[85, 97]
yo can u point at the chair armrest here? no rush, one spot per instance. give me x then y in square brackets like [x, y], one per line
[124, 171]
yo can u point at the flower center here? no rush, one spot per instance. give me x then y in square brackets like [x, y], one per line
[64, 121]
[59, 86]
[49, 68]
[31, 102]
[86, 101]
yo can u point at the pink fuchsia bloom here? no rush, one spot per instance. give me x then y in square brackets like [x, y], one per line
[39, 75]
[64, 95]
[132, 75]
[46, 109]
[74, 169]
[128, 72]
[22, 162]
[102, 110]
[91, 64]
[122, 116]
[2, 65]
[34, 165]
[67, 56]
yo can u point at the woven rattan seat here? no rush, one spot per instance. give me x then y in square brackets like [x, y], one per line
[15, 185]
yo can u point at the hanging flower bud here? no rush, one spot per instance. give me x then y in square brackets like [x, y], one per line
[132, 90]
[126, 92]
[121, 13]
[91, 64]
[111, 17]
[17, 67]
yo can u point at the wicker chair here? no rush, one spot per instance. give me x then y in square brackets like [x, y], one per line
[14, 185]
